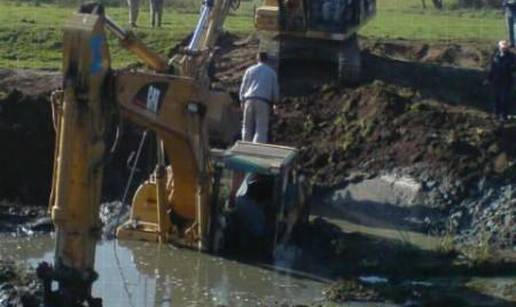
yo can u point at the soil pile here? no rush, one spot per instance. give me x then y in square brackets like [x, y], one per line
[387, 124]
[471, 55]
[232, 60]
[379, 126]
[421, 111]
[398, 119]
[27, 155]
[18, 287]
[451, 73]
[455, 152]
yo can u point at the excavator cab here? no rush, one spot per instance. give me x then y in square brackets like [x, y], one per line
[269, 203]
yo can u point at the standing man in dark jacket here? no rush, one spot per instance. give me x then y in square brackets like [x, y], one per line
[510, 17]
[500, 77]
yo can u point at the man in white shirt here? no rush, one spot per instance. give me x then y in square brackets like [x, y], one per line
[258, 93]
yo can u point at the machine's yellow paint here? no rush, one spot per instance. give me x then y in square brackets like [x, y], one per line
[267, 18]
[179, 117]
[181, 109]
[184, 134]
[79, 142]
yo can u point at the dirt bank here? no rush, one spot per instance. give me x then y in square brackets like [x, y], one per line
[325, 115]
[421, 111]
[27, 133]
[421, 104]
[27, 153]
[453, 73]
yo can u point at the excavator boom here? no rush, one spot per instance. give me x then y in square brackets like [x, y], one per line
[179, 202]
[176, 107]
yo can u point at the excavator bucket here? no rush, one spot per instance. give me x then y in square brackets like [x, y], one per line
[144, 223]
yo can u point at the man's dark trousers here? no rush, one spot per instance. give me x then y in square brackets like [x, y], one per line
[502, 99]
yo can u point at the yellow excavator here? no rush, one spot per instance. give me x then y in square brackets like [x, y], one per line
[314, 34]
[182, 201]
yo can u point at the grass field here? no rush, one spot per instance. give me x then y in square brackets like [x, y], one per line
[406, 19]
[30, 36]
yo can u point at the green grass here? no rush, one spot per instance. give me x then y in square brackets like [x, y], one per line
[406, 19]
[30, 36]
[434, 27]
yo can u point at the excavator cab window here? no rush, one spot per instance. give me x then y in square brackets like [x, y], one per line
[330, 16]
[333, 15]
[257, 220]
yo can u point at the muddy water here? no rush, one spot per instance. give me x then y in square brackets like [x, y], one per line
[145, 274]
[385, 206]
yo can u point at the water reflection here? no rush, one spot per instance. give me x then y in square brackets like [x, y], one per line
[146, 274]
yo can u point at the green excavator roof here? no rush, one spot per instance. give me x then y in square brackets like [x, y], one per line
[266, 159]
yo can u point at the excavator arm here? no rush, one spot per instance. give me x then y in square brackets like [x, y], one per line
[177, 107]
[193, 60]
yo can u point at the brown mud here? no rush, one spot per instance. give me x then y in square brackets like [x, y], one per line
[420, 102]
[27, 136]
[328, 116]
[420, 110]
[19, 286]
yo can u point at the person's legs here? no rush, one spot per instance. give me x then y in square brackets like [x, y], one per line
[160, 12]
[248, 123]
[510, 29]
[505, 98]
[497, 101]
[152, 4]
[130, 6]
[262, 113]
[134, 7]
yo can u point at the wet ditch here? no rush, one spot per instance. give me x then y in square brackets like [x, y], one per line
[330, 262]
[393, 163]
[146, 274]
